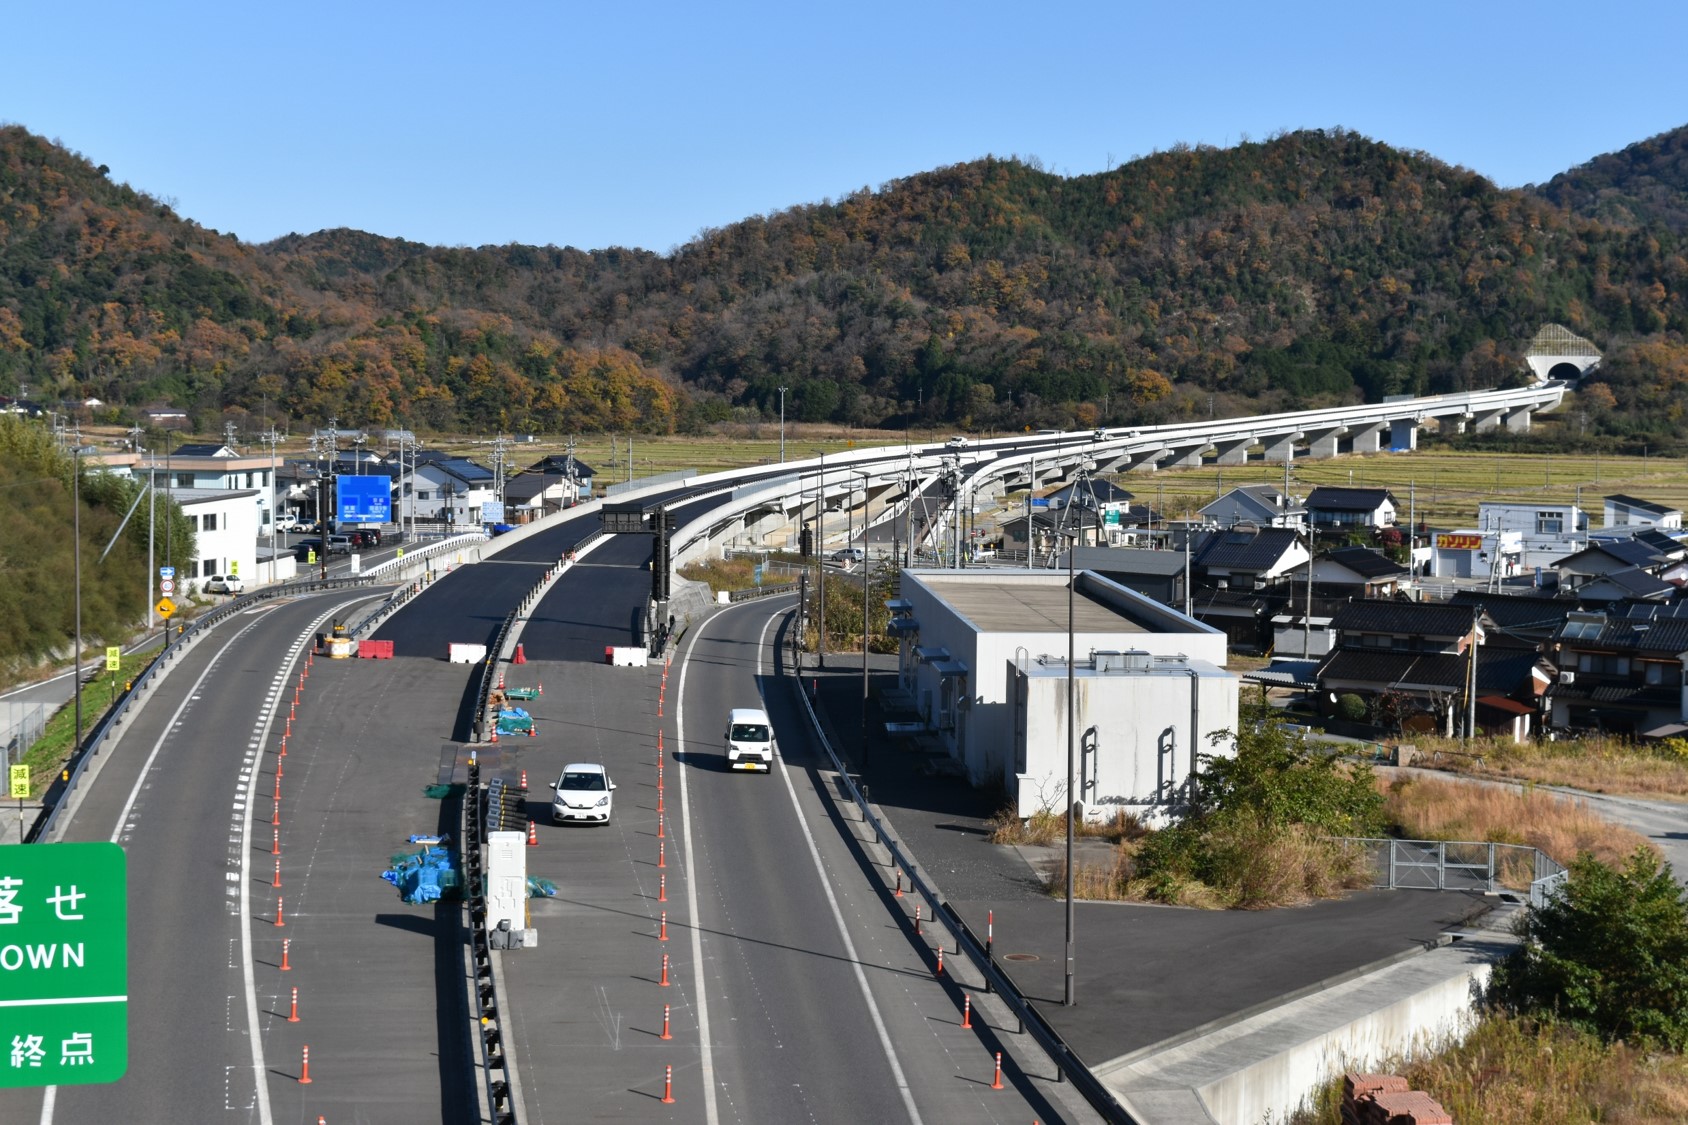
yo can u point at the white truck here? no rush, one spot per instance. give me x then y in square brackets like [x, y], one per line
[750, 740]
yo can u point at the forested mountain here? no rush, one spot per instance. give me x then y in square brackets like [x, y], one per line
[1645, 184]
[1316, 267]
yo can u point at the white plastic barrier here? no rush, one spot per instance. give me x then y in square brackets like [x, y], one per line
[467, 654]
[629, 657]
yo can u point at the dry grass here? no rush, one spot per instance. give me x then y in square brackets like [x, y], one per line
[1517, 1072]
[1047, 826]
[1598, 765]
[1429, 808]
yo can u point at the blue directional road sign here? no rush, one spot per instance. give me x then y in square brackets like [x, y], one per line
[364, 499]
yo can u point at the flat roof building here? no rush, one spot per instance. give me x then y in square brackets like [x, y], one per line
[983, 660]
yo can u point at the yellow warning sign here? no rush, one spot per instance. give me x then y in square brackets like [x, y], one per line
[165, 608]
[114, 658]
[20, 782]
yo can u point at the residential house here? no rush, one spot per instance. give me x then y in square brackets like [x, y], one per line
[551, 483]
[1355, 572]
[1049, 532]
[1632, 511]
[203, 449]
[449, 492]
[1474, 553]
[1094, 493]
[1264, 505]
[1621, 670]
[1606, 556]
[1411, 661]
[1331, 508]
[1242, 558]
[1631, 584]
[1154, 574]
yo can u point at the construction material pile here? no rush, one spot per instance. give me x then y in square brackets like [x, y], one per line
[427, 875]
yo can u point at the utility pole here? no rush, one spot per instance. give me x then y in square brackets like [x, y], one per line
[272, 438]
[499, 445]
[1471, 680]
[229, 429]
[820, 563]
[1031, 488]
[76, 533]
[782, 425]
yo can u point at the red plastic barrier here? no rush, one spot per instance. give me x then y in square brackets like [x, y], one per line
[375, 650]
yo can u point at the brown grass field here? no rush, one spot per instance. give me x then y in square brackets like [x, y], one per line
[1599, 765]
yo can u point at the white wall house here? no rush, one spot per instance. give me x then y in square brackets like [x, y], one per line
[214, 472]
[226, 534]
[446, 492]
[1475, 553]
[976, 649]
[1632, 511]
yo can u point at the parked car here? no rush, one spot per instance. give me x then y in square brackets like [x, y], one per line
[288, 523]
[584, 792]
[225, 584]
[848, 555]
[303, 548]
[364, 537]
[339, 545]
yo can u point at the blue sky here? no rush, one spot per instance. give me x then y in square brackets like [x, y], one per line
[596, 125]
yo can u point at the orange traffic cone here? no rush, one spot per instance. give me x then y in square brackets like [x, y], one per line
[533, 834]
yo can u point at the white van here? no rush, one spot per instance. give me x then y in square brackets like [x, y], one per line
[750, 740]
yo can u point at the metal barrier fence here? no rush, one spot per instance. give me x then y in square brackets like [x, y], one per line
[496, 1073]
[1460, 865]
[751, 593]
[966, 942]
[94, 740]
[20, 725]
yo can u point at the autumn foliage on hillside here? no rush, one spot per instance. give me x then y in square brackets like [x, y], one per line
[1313, 268]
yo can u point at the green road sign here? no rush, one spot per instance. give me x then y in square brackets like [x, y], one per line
[64, 964]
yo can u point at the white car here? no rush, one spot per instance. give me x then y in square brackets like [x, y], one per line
[584, 793]
[848, 555]
[224, 584]
[750, 740]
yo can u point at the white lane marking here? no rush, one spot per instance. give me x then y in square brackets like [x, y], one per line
[248, 971]
[838, 915]
[49, 1096]
[706, 1055]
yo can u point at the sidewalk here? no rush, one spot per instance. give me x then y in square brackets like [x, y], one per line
[1148, 977]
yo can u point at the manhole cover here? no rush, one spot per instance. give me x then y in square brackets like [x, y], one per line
[1019, 957]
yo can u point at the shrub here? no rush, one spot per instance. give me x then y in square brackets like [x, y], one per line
[1351, 707]
[1608, 955]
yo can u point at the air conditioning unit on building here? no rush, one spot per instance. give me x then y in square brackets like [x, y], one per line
[1567, 677]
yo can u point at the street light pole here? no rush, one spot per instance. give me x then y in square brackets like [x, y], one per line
[782, 425]
[1068, 997]
[820, 562]
[76, 532]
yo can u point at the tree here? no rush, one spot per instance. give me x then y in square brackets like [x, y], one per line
[1609, 954]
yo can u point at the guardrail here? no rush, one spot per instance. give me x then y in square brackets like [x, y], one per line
[94, 740]
[966, 942]
[422, 553]
[751, 593]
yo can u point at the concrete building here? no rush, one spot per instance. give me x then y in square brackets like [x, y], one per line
[983, 656]
[226, 533]
[1546, 530]
[1474, 553]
